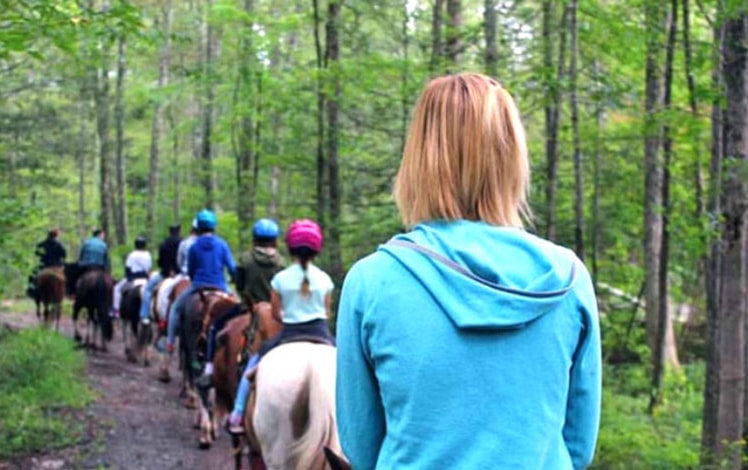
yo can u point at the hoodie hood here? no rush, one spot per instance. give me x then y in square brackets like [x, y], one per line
[207, 243]
[266, 256]
[483, 276]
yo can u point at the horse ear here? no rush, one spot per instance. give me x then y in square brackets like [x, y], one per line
[336, 462]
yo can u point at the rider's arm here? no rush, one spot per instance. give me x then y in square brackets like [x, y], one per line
[275, 301]
[228, 261]
[328, 301]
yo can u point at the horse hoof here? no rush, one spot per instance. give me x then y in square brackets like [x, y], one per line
[77, 338]
[204, 445]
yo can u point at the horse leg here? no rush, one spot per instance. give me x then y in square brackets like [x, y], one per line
[205, 420]
[58, 314]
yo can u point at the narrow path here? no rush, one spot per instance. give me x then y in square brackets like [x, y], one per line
[140, 422]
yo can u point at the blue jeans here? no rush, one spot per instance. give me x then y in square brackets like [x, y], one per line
[175, 313]
[147, 293]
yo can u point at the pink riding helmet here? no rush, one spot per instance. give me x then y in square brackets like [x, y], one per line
[304, 233]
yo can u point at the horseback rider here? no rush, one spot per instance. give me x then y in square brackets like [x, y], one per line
[137, 266]
[167, 263]
[184, 249]
[51, 254]
[94, 253]
[301, 295]
[206, 260]
[254, 273]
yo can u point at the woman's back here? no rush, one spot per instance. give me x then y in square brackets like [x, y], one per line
[474, 338]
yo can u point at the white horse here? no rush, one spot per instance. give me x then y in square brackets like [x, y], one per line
[294, 415]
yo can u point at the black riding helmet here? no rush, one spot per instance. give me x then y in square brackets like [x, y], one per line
[140, 243]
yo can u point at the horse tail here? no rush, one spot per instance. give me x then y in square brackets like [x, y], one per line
[316, 398]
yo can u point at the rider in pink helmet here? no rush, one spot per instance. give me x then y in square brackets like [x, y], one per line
[300, 297]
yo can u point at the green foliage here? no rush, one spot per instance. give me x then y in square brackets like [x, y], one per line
[42, 385]
[632, 439]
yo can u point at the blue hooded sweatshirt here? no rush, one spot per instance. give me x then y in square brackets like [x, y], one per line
[207, 257]
[463, 345]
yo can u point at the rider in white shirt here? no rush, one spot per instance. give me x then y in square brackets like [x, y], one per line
[137, 266]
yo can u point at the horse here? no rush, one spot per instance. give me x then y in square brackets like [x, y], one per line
[137, 344]
[243, 334]
[50, 292]
[94, 293]
[293, 418]
[200, 309]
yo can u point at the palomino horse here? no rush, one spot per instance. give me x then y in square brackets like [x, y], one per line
[199, 311]
[136, 343]
[94, 293]
[50, 292]
[243, 334]
[294, 414]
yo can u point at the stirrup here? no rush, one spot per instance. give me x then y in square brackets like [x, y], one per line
[234, 429]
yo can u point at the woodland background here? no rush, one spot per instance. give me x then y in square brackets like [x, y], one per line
[132, 115]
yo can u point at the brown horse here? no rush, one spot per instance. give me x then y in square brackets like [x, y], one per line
[50, 288]
[244, 333]
[94, 293]
[201, 307]
[137, 342]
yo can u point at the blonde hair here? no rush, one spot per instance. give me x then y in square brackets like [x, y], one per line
[466, 155]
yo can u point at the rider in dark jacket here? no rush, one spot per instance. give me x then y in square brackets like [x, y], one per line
[51, 254]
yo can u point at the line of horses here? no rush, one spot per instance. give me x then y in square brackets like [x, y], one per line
[290, 418]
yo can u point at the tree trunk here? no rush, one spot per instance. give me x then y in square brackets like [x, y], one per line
[177, 198]
[333, 65]
[437, 48]
[404, 94]
[275, 177]
[734, 191]
[454, 35]
[321, 193]
[489, 32]
[206, 149]
[711, 387]
[157, 125]
[552, 110]
[691, 83]
[655, 16]
[596, 225]
[245, 155]
[120, 207]
[101, 101]
[659, 353]
[578, 170]
[83, 140]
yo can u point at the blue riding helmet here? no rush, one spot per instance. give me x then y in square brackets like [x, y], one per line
[206, 220]
[265, 228]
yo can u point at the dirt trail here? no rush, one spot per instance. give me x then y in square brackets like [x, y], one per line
[135, 423]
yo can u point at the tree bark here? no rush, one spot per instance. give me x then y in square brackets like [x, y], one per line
[83, 140]
[489, 32]
[333, 65]
[437, 48]
[691, 84]
[655, 17]
[454, 35]
[578, 170]
[596, 225]
[729, 429]
[120, 212]
[157, 125]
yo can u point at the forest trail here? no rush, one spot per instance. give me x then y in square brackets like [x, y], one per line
[135, 421]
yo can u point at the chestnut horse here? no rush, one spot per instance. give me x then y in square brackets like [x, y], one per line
[50, 288]
[240, 338]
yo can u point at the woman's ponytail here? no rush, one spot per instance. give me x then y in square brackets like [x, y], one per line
[305, 290]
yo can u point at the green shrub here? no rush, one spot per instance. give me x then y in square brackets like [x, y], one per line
[631, 439]
[43, 383]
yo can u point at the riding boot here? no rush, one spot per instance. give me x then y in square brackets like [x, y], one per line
[163, 373]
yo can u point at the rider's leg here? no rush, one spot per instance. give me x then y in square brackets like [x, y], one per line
[242, 394]
[145, 306]
[215, 328]
[117, 299]
[175, 314]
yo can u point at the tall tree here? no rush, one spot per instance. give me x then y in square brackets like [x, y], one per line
[489, 32]
[120, 213]
[454, 36]
[157, 123]
[437, 46]
[574, 105]
[321, 63]
[663, 323]
[101, 102]
[206, 133]
[655, 17]
[730, 351]
[333, 101]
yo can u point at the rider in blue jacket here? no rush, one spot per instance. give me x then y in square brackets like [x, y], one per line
[207, 258]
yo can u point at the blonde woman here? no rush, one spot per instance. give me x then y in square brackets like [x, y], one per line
[467, 342]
